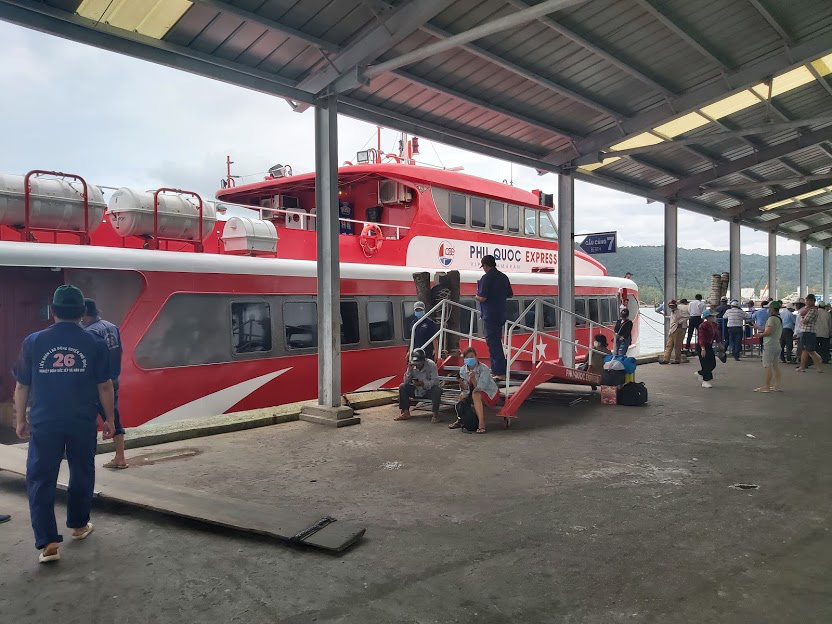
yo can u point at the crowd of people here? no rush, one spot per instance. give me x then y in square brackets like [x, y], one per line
[777, 330]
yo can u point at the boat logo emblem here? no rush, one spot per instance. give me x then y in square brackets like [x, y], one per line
[446, 253]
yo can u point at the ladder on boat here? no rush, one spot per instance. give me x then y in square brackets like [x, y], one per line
[525, 347]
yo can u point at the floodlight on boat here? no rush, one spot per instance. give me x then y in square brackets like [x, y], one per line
[363, 157]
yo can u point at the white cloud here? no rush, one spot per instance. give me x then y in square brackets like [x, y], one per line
[124, 122]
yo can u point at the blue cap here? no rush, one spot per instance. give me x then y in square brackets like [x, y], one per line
[706, 313]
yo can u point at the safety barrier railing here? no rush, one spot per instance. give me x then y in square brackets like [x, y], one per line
[445, 306]
[529, 346]
[513, 353]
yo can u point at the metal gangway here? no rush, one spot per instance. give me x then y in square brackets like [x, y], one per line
[528, 363]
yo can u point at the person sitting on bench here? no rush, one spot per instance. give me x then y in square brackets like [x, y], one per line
[475, 378]
[421, 381]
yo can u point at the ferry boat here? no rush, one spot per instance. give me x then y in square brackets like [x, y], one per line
[216, 300]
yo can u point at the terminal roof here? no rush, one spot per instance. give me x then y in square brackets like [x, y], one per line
[722, 107]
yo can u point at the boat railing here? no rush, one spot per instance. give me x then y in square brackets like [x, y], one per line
[307, 219]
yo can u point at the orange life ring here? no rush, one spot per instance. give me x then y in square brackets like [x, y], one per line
[371, 239]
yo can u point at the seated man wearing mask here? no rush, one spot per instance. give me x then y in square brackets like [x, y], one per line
[421, 381]
[596, 359]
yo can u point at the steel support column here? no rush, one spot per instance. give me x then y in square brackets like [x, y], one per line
[735, 261]
[566, 263]
[671, 247]
[772, 265]
[801, 290]
[329, 409]
[826, 294]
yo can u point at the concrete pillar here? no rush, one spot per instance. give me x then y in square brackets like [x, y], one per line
[827, 296]
[801, 291]
[329, 410]
[734, 253]
[566, 264]
[772, 265]
[671, 248]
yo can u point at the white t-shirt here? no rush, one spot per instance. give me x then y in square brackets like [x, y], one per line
[695, 307]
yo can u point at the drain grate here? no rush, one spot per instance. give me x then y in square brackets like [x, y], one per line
[744, 486]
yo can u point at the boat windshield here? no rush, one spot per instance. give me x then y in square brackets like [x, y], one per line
[547, 226]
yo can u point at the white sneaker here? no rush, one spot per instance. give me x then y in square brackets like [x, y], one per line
[698, 376]
[705, 384]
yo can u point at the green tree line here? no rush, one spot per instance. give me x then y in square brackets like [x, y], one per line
[695, 267]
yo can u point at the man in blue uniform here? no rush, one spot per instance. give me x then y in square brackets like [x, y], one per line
[493, 289]
[109, 333]
[63, 374]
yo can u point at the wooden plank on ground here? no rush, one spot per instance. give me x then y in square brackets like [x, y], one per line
[240, 515]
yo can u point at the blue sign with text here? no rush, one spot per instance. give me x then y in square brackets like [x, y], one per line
[602, 243]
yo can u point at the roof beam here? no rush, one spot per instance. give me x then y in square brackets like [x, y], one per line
[752, 207]
[528, 74]
[740, 132]
[758, 184]
[249, 16]
[823, 82]
[680, 32]
[794, 215]
[734, 166]
[524, 16]
[766, 14]
[495, 108]
[815, 229]
[44, 18]
[609, 57]
[738, 80]
[380, 116]
[373, 42]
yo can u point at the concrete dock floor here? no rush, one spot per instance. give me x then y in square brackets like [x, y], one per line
[590, 514]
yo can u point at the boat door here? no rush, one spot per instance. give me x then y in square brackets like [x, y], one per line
[25, 295]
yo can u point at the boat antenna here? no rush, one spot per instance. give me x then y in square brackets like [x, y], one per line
[229, 181]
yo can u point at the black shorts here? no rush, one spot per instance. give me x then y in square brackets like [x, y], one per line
[119, 428]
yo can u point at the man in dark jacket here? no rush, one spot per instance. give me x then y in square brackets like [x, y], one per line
[493, 289]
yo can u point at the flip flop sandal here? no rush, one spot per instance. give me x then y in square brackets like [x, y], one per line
[434, 419]
[47, 558]
[87, 530]
[399, 418]
[112, 465]
[763, 390]
[777, 389]
[455, 425]
[480, 430]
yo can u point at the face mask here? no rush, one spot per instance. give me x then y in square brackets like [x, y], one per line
[418, 313]
[470, 362]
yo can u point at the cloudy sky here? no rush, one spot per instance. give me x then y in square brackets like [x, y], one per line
[123, 122]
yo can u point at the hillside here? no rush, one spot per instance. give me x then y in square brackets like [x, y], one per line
[697, 265]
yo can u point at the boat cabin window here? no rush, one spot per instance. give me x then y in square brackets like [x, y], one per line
[497, 215]
[459, 214]
[547, 226]
[407, 318]
[350, 323]
[580, 310]
[531, 314]
[613, 304]
[550, 315]
[251, 327]
[604, 311]
[531, 222]
[381, 320]
[512, 310]
[514, 219]
[300, 322]
[477, 212]
[593, 310]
